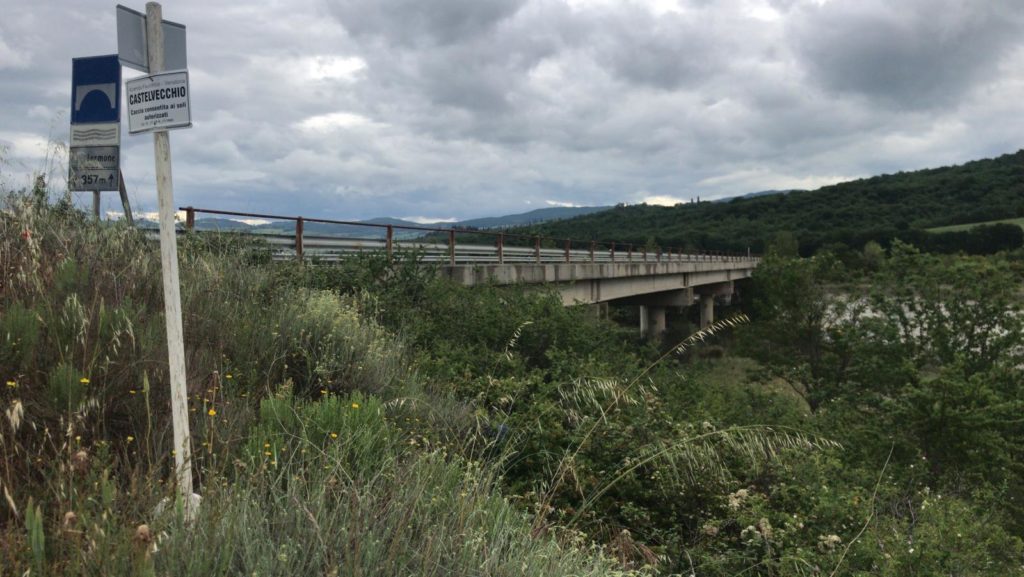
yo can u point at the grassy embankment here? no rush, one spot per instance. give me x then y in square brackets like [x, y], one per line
[318, 451]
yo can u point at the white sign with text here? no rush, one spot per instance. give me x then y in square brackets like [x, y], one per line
[158, 102]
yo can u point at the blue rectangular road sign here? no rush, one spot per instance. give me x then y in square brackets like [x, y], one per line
[95, 89]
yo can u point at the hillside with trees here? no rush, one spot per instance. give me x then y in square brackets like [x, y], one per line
[849, 214]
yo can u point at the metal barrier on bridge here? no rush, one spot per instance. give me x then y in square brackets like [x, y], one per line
[503, 248]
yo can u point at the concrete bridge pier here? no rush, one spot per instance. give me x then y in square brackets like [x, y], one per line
[707, 300]
[652, 321]
[707, 310]
[598, 310]
[653, 308]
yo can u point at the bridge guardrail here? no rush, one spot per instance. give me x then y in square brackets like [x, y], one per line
[507, 248]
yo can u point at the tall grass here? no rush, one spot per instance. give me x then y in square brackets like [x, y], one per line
[311, 436]
[335, 489]
[320, 488]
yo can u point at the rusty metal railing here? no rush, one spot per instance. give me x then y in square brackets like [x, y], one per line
[506, 248]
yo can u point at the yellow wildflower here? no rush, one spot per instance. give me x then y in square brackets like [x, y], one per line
[84, 380]
[355, 405]
[130, 438]
[12, 384]
[334, 435]
[212, 412]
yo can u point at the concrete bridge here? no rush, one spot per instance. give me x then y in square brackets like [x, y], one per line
[653, 286]
[583, 272]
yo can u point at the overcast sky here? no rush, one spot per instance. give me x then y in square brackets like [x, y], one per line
[445, 109]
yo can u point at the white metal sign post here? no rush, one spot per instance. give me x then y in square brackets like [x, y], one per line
[169, 261]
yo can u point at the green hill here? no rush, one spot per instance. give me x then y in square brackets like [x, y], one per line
[880, 208]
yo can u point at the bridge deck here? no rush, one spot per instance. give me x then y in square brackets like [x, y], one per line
[601, 282]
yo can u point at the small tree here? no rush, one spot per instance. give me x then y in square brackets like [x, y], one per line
[793, 315]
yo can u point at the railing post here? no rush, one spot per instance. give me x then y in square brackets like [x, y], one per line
[568, 248]
[630, 257]
[659, 255]
[390, 242]
[190, 219]
[451, 247]
[299, 225]
[536, 248]
[613, 252]
[593, 245]
[645, 253]
[501, 248]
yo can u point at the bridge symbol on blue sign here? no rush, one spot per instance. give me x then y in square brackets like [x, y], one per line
[96, 89]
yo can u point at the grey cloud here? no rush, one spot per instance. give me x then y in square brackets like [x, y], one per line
[483, 73]
[411, 22]
[909, 54]
[469, 107]
[664, 52]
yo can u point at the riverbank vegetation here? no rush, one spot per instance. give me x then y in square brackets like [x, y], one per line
[372, 419]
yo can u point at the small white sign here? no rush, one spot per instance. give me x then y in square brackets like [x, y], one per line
[100, 134]
[158, 102]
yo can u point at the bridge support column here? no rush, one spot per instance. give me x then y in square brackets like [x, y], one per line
[707, 300]
[707, 310]
[652, 321]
